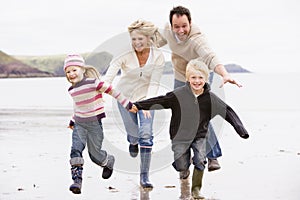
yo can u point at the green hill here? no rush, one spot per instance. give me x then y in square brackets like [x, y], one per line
[11, 67]
[54, 63]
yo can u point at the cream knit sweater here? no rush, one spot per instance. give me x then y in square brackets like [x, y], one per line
[194, 47]
[136, 82]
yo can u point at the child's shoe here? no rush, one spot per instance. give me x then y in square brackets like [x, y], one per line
[133, 150]
[108, 169]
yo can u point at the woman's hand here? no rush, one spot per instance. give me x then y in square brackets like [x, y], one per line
[147, 114]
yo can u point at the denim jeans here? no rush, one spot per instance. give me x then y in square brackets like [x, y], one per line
[213, 148]
[90, 134]
[138, 128]
[182, 154]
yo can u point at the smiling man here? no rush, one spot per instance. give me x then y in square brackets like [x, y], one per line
[187, 42]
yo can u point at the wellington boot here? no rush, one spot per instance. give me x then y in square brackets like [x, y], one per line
[145, 166]
[77, 178]
[197, 184]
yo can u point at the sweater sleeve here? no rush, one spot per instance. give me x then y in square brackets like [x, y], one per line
[107, 88]
[113, 70]
[226, 112]
[157, 103]
[204, 52]
[156, 76]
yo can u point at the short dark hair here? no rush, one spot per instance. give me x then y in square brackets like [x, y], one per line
[180, 11]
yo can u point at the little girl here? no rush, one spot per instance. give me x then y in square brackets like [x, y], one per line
[87, 91]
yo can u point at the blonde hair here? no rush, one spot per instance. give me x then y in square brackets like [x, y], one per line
[91, 72]
[148, 29]
[197, 66]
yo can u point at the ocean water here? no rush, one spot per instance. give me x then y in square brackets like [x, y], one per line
[259, 91]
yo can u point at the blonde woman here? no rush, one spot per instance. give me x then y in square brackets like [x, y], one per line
[141, 71]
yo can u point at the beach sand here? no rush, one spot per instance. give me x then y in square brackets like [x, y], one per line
[35, 146]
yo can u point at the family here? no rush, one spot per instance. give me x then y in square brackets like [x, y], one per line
[191, 102]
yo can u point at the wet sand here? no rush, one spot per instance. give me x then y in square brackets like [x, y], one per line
[35, 148]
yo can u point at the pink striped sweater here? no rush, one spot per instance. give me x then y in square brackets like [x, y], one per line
[88, 101]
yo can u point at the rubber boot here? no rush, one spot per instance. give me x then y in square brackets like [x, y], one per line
[77, 178]
[197, 183]
[145, 166]
[185, 190]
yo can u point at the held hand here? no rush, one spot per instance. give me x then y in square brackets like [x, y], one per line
[228, 79]
[71, 127]
[147, 114]
[134, 109]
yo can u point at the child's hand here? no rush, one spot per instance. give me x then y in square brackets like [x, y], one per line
[134, 109]
[71, 127]
[71, 124]
[245, 136]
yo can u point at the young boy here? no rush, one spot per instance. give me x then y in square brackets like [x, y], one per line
[193, 106]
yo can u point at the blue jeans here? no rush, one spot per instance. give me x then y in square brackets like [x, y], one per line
[182, 154]
[138, 128]
[90, 134]
[213, 148]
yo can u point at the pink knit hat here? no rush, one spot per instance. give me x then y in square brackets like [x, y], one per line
[74, 60]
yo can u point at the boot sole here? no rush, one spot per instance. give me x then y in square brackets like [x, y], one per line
[147, 188]
[213, 169]
[75, 190]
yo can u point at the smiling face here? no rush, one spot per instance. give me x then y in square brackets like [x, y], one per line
[139, 41]
[74, 74]
[181, 26]
[197, 81]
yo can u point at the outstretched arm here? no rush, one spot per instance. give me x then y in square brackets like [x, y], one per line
[219, 107]
[235, 121]
[221, 70]
[156, 103]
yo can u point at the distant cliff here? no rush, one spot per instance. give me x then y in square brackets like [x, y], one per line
[11, 67]
[54, 63]
[231, 68]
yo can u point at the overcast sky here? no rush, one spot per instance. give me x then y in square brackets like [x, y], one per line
[262, 35]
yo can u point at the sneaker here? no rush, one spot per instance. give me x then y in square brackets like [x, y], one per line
[133, 150]
[213, 165]
[108, 169]
[184, 174]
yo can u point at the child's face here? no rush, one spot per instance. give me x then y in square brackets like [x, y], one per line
[197, 81]
[74, 74]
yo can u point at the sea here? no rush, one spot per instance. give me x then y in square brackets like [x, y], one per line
[260, 91]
